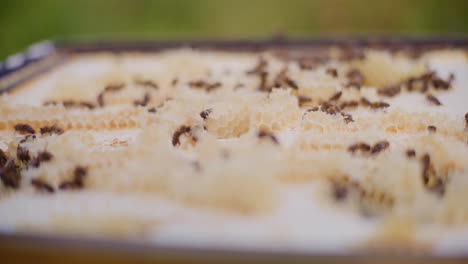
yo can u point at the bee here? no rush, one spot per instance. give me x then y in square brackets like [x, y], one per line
[79, 174]
[114, 87]
[333, 72]
[365, 101]
[351, 104]
[439, 83]
[339, 191]
[347, 117]
[355, 78]
[74, 104]
[432, 129]
[380, 146]
[336, 96]
[147, 83]
[49, 102]
[22, 154]
[353, 84]
[283, 80]
[179, 132]
[313, 109]
[466, 120]
[263, 82]
[144, 101]
[306, 63]
[27, 137]
[410, 153]
[431, 98]
[69, 103]
[198, 84]
[390, 90]
[86, 105]
[266, 134]
[204, 114]
[213, 86]
[54, 129]
[68, 185]
[420, 83]
[24, 129]
[302, 100]
[429, 176]
[42, 186]
[376, 105]
[361, 146]
[330, 108]
[42, 156]
[291, 83]
[152, 110]
[10, 175]
[3, 158]
[100, 99]
[260, 67]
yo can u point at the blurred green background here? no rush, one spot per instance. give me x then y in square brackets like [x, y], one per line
[27, 21]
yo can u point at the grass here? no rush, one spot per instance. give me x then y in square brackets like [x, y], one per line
[24, 22]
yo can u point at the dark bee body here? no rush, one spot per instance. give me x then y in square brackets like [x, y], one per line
[43, 156]
[42, 186]
[332, 72]
[429, 176]
[208, 87]
[266, 134]
[380, 146]
[204, 114]
[144, 101]
[376, 105]
[366, 148]
[390, 91]
[347, 117]
[350, 104]
[179, 132]
[313, 109]
[147, 83]
[410, 153]
[54, 129]
[80, 104]
[355, 79]
[260, 67]
[22, 154]
[27, 137]
[302, 100]
[432, 129]
[24, 129]
[466, 120]
[79, 174]
[114, 87]
[431, 98]
[282, 79]
[330, 108]
[3, 158]
[100, 99]
[365, 101]
[361, 146]
[336, 96]
[373, 105]
[10, 175]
